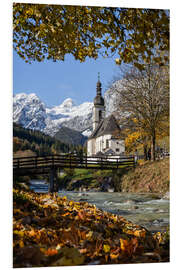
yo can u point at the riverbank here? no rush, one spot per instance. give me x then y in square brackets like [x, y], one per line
[53, 231]
[147, 177]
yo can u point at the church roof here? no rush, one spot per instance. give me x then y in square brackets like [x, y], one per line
[100, 154]
[110, 152]
[107, 126]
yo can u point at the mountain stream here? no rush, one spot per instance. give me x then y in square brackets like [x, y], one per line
[145, 209]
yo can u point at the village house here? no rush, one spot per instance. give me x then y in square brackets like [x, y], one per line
[104, 139]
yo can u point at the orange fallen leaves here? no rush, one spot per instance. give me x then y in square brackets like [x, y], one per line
[114, 256]
[51, 252]
[67, 233]
[130, 246]
[140, 233]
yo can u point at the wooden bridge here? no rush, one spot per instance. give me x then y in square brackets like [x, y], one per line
[51, 164]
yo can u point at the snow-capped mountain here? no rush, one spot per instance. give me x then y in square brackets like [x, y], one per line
[112, 96]
[30, 112]
[68, 114]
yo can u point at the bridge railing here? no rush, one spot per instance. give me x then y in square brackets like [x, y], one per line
[72, 161]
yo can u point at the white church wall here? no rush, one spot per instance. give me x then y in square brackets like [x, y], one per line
[105, 142]
[96, 115]
[118, 146]
[101, 142]
[91, 147]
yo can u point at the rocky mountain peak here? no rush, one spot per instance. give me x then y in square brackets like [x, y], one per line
[30, 112]
[68, 103]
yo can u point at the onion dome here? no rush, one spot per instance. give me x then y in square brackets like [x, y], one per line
[98, 100]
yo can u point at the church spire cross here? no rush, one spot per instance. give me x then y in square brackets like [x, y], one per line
[99, 76]
[98, 88]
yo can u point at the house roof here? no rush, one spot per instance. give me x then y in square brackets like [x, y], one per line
[107, 126]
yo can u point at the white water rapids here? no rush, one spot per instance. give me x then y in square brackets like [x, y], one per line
[147, 210]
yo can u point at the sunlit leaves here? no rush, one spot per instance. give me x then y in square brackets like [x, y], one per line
[69, 256]
[106, 248]
[64, 233]
[51, 252]
[144, 96]
[52, 31]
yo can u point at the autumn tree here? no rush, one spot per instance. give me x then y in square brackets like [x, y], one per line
[136, 139]
[42, 31]
[143, 98]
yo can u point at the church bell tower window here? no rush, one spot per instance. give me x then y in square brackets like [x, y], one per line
[100, 115]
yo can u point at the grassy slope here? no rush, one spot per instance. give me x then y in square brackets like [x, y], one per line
[81, 178]
[148, 177]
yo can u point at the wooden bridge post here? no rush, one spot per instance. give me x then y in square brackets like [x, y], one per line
[117, 161]
[18, 164]
[53, 186]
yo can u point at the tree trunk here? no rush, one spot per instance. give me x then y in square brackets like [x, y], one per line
[154, 146]
[145, 152]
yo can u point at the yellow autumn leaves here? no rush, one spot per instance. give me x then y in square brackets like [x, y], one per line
[52, 31]
[52, 231]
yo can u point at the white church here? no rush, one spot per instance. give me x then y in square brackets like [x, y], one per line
[104, 139]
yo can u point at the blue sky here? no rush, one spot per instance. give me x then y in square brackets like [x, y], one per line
[55, 81]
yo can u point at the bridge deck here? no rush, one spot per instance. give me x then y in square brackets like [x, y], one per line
[43, 164]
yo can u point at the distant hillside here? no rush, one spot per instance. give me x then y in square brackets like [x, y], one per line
[36, 141]
[70, 136]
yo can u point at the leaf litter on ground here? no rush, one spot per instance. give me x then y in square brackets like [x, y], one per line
[49, 230]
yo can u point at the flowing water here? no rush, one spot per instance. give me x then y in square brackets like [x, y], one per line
[147, 209]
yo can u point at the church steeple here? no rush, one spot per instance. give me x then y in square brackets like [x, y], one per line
[98, 100]
[98, 109]
[98, 87]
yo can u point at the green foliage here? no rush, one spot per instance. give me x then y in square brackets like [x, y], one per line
[20, 179]
[20, 198]
[42, 31]
[69, 172]
[36, 141]
[102, 173]
[70, 136]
